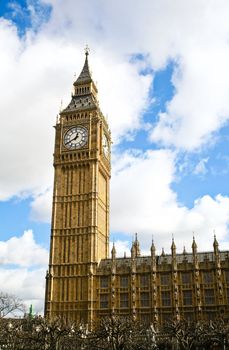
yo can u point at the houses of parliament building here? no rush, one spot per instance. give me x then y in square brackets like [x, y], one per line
[84, 283]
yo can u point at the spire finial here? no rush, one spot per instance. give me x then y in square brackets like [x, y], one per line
[136, 236]
[86, 50]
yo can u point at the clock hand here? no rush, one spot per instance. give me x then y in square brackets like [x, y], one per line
[77, 135]
[74, 138]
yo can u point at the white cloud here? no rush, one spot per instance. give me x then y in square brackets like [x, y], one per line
[200, 168]
[33, 83]
[122, 248]
[22, 251]
[22, 269]
[148, 205]
[27, 285]
[41, 206]
[192, 34]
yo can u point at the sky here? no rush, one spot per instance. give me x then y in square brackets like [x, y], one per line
[162, 72]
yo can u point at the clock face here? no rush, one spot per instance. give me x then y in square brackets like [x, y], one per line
[106, 149]
[76, 137]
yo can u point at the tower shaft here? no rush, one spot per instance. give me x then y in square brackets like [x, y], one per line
[80, 214]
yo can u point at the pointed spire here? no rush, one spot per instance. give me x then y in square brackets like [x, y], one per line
[137, 245]
[173, 250]
[163, 252]
[153, 248]
[194, 245]
[113, 252]
[215, 244]
[133, 251]
[194, 253]
[173, 246]
[85, 75]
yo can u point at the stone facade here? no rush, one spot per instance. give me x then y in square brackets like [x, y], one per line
[83, 284]
[194, 286]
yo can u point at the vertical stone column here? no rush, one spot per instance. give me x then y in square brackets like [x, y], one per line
[133, 280]
[175, 281]
[218, 274]
[196, 276]
[91, 316]
[113, 280]
[154, 284]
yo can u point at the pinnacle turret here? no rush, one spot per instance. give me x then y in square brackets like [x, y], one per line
[153, 248]
[215, 244]
[113, 252]
[135, 249]
[85, 75]
[194, 246]
[173, 247]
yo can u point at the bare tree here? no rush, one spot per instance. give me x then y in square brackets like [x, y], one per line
[112, 333]
[10, 305]
[115, 333]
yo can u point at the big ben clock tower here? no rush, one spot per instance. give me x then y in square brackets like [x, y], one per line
[80, 213]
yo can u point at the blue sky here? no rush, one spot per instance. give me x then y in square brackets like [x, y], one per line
[164, 86]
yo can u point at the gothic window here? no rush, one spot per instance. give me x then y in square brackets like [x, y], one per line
[104, 282]
[144, 281]
[187, 297]
[209, 296]
[208, 277]
[165, 279]
[103, 301]
[186, 278]
[124, 281]
[124, 300]
[144, 297]
[166, 298]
